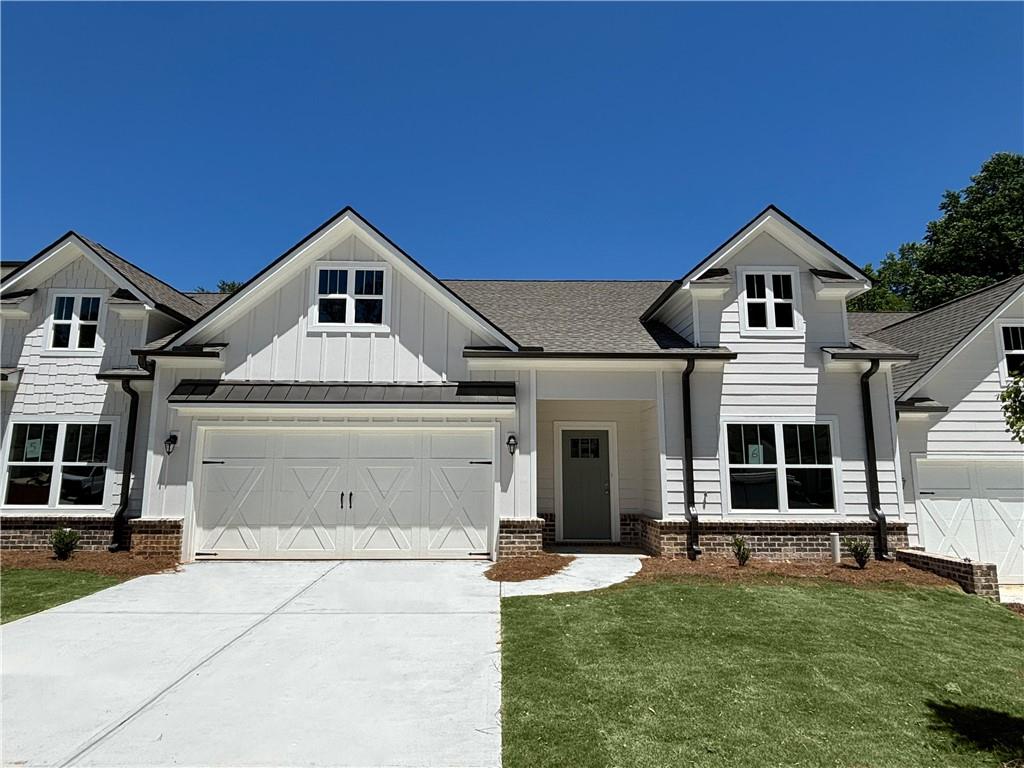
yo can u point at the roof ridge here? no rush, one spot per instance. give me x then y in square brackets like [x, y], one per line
[948, 303]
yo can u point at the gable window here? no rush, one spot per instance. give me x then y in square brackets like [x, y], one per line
[768, 301]
[350, 296]
[801, 476]
[57, 465]
[1012, 339]
[75, 322]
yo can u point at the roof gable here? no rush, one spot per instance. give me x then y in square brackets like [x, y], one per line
[772, 221]
[937, 334]
[345, 223]
[123, 273]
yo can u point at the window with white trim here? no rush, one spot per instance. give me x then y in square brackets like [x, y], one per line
[768, 301]
[350, 295]
[799, 477]
[1012, 339]
[57, 465]
[75, 322]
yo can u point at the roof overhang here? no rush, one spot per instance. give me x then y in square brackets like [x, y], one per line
[919, 406]
[835, 285]
[17, 305]
[487, 359]
[10, 377]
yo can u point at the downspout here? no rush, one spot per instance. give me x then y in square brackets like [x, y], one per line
[871, 460]
[693, 538]
[121, 533]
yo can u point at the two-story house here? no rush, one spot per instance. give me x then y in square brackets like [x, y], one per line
[347, 403]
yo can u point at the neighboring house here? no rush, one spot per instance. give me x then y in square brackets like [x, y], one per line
[347, 403]
[963, 474]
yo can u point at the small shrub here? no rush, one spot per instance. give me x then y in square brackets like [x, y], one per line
[860, 549]
[64, 541]
[740, 550]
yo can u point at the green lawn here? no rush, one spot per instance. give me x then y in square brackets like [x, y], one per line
[716, 674]
[25, 591]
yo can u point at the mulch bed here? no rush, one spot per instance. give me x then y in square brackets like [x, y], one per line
[528, 568]
[119, 564]
[1017, 608]
[877, 573]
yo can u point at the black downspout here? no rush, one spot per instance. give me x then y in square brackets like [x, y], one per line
[121, 533]
[693, 538]
[871, 460]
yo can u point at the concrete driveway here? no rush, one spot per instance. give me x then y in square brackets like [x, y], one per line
[262, 664]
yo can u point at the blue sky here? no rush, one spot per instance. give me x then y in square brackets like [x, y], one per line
[543, 141]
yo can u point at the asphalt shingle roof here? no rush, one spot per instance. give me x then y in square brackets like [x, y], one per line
[207, 300]
[932, 334]
[593, 316]
[869, 322]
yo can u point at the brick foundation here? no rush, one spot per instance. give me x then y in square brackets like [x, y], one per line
[768, 540]
[976, 578]
[521, 536]
[630, 529]
[33, 531]
[155, 537]
[549, 528]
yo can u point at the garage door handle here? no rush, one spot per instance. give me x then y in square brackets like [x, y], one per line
[350, 499]
[342, 499]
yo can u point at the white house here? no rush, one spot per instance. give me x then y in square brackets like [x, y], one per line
[347, 403]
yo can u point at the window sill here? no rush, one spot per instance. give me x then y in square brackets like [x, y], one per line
[71, 353]
[367, 329]
[761, 333]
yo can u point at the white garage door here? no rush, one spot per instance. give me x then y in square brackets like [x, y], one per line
[342, 494]
[974, 509]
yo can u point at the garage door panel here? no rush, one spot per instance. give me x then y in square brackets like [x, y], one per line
[305, 515]
[386, 506]
[232, 508]
[458, 507]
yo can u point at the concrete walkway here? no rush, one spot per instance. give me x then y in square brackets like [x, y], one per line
[587, 572]
[262, 664]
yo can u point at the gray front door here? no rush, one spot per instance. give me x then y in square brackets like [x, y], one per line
[586, 497]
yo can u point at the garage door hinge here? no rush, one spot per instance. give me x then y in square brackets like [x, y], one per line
[480, 462]
[206, 554]
[212, 461]
[926, 493]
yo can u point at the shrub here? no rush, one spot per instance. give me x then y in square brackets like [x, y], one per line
[740, 550]
[860, 549]
[64, 541]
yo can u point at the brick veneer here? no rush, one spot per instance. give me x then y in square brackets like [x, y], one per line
[630, 529]
[549, 527]
[770, 540]
[976, 578]
[33, 531]
[155, 537]
[520, 536]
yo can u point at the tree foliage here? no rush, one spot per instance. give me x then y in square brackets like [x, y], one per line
[1012, 398]
[223, 286]
[978, 240]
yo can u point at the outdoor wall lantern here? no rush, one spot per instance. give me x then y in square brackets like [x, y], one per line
[512, 444]
[170, 442]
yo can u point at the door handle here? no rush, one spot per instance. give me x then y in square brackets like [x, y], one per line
[606, 489]
[342, 499]
[350, 499]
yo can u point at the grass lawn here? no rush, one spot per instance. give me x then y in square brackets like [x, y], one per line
[24, 591]
[709, 673]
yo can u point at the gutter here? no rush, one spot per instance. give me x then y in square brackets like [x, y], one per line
[693, 538]
[871, 463]
[121, 539]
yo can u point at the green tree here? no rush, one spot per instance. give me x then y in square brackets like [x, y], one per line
[978, 240]
[1013, 407]
[223, 286]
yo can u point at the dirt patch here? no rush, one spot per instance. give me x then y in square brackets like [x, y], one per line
[119, 564]
[756, 571]
[528, 568]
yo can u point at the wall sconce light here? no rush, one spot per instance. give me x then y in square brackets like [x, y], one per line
[170, 442]
[512, 444]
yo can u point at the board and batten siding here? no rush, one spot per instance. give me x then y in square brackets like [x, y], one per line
[65, 386]
[273, 341]
[774, 378]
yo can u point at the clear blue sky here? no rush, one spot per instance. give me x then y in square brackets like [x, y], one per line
[547, 141]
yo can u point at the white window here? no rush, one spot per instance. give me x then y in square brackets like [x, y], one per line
[799, 476]
[1011, 352]
[350, 296]
[75, 322]
[768, 301]
[57, 465]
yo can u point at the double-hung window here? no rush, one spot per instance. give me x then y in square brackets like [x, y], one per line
[774, 466]
[350, 296]
[57, 465]
[769, 301]
[75, 322]
[1011, 340]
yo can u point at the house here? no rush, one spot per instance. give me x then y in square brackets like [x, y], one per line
[345, 402]
[963, 474]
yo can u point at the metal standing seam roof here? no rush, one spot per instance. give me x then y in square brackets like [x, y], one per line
[574, 316]
[934, 333]
[325, 393]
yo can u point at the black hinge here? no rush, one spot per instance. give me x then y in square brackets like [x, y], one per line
[926, 493]
[212, 461]
[206, 554]
[479, 554]
[480, 462]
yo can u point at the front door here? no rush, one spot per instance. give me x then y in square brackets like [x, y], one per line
[586, 495]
